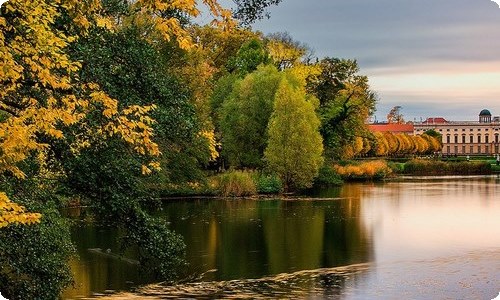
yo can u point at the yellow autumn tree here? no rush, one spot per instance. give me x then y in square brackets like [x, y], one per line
[40, 93]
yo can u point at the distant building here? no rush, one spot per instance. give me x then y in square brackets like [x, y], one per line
[465, 137]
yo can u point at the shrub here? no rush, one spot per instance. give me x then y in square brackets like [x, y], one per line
[364, 170]
[268, 184]
[34, 259]
[235, 184]
[327, 177]
[396, 167]
[432, 167]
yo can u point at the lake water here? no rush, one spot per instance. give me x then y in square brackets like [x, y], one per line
[417, 238]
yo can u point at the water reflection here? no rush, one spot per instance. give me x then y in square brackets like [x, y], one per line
[395, 230]
[251, 239]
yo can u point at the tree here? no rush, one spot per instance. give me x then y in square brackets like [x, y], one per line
[294, 150]
[395, 116]
[346, 101]
[248, 58]
[249, 11]
[245, 116]
[285, 51]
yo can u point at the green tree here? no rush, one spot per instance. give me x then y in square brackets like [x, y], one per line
[346, 101]
[249, 57]
[245, 115]
[295, 148]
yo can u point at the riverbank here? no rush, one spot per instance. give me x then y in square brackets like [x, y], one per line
[252, 183]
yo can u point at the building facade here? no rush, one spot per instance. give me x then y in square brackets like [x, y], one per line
[466, 137]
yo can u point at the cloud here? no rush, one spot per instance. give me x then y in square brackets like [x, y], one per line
[416, 52]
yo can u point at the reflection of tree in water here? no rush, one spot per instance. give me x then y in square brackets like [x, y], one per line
[346, 238]
[250, 239]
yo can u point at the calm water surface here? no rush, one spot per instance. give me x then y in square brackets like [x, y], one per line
[419, 239]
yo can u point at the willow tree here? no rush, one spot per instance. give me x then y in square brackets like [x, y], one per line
[295, 147]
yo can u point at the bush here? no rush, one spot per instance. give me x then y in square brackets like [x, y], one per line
[396, 167]
[433, 167]
[375, 169]
[34, 259]
[235, 184]
[327, 177]
[268, 184]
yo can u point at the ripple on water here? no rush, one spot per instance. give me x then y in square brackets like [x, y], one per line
[475, 275]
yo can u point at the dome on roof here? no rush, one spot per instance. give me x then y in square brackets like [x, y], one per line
[485, 112]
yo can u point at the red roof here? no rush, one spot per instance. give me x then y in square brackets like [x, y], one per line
[435, 121]
[394, 128]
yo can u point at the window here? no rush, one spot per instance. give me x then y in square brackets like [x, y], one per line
[496, 138]
[479, 129]
[463, 149]
[478, 149]
[448, 140]
[463, 139]
[486, 149]
[447, 149]
[478, 139]
[456, 140]
[487, 139]
[463, 129]
[471, 150]
[456, 129]
[471, 139]
[471, 129]
[448, 129]
[456, 149]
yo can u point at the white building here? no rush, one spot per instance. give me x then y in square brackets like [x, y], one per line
[466, 137]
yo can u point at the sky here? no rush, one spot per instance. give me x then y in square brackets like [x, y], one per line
[435, 58]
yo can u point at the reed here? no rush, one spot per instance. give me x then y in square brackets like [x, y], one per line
[236, 184]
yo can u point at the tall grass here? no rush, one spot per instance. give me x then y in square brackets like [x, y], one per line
[435, 167]
[235, 184]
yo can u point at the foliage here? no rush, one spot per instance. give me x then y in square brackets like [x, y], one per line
[13, 213]
[249, 11]
[42, 95]
[346, 101]
[294, 147]
[132, 71]
[249, 57]
[161, 251]
[235, 184]
[245, 116]
[34, 259]
[327, 177]
[389, 144]
[396, 167]
[435, 167]
[268, 184]
[284, 51]
[395, 116]
[365, 170]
